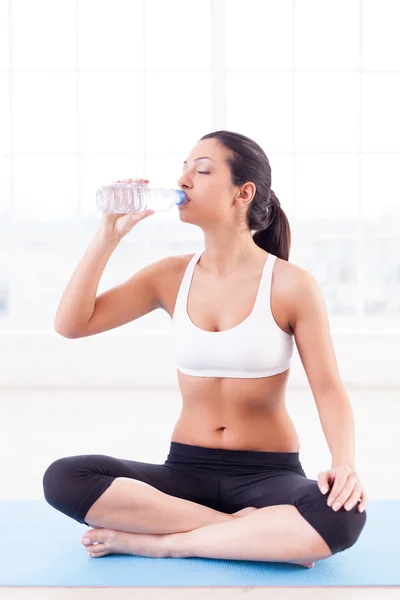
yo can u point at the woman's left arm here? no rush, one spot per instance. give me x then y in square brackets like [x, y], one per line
[310, 325]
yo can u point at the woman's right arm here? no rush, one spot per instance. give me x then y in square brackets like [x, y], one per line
[80, 312]
[78, 300]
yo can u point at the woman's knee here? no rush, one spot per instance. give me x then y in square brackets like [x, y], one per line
[59, 478]
[340, 529]
[349, 525]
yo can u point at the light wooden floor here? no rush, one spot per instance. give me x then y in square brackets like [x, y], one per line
[39, 426]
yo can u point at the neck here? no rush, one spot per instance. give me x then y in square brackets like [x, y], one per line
[225, 256]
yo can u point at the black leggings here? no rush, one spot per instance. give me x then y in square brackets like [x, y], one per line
[225, 480]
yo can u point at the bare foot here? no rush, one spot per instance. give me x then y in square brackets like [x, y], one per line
[111, 541]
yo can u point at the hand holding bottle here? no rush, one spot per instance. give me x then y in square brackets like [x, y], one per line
[118, 225]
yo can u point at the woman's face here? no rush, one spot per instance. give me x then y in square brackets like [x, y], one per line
[207, 182]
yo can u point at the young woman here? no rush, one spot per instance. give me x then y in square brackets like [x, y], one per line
[232, 485]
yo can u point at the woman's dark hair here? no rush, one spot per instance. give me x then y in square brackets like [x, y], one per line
[248, 162]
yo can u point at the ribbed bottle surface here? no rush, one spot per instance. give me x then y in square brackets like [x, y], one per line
[119, 198]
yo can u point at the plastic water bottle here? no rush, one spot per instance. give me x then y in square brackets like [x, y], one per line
[135, 197]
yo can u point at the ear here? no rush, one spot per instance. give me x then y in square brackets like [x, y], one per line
[247, 193]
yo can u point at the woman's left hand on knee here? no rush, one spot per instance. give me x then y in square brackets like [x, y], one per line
[347, 488]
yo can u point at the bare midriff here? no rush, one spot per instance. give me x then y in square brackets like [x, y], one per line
[230, 413]
[236, 414]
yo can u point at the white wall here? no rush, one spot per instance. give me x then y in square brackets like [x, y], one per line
[35, 360]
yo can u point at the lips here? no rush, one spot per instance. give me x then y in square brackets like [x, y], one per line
[188, 199]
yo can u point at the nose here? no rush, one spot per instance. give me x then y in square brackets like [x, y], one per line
[181, 182]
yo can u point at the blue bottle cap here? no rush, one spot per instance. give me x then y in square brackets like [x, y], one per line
[182, 197]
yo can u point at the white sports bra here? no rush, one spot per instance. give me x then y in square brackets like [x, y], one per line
[257, 347]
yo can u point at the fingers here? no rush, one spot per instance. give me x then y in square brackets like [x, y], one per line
[351, 487]
[347, 490]
[354, 498]
[341, 480]
[363, 503]
[323, 482]
[138, 180]
[129, 180]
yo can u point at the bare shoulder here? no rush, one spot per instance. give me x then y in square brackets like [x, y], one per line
[180, 261]
[292, 286]
[287, 276]
[170, 273]
[174, 265]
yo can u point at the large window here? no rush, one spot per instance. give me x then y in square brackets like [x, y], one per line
[92, 91]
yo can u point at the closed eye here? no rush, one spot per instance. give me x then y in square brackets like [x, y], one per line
[202, 172]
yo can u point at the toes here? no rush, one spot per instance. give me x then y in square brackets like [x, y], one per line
[91, 536]
[95, 547]
[98, 554]
[87, 537]
[99, 551]
[96, 550]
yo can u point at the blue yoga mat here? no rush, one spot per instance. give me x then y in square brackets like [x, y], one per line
[42, 547]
